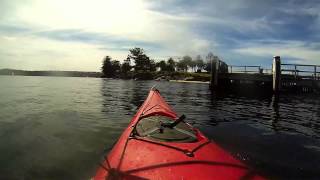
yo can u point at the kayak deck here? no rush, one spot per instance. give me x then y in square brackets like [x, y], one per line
[145, 151]
[150, 128]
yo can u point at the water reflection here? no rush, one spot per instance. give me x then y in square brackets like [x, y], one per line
[283, 128]
[138, 92]
[68, 124]
[285, 113]
[275, 115]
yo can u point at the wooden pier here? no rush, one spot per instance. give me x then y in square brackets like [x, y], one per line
[280, 78]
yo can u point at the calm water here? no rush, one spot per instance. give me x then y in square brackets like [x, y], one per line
[58, 128]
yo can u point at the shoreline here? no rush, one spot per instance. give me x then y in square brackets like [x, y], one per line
[196, 82]
[189, 77]
[175, 81]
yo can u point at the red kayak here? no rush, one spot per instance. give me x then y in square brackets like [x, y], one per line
[158, 144]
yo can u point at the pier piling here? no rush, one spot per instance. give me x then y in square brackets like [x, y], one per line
[276, 71]
[283, 77]
[214, 73]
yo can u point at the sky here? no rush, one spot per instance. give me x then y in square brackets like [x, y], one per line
[77, 34]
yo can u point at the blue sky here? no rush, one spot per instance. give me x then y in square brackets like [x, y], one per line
[77, 34]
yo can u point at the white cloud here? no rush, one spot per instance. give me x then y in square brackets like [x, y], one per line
[36, 53]
[292, 51]
[169, 28]
[110, 16]
[128, 20]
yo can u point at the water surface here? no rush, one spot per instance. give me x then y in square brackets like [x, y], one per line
[59, 128]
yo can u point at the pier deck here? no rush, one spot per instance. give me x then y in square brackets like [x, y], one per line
[282, 77]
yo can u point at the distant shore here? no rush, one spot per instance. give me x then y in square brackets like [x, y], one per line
[158, 76]
[14, 72]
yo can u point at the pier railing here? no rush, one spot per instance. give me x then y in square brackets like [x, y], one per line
[244, 69]
[301, 71]
[281, 76]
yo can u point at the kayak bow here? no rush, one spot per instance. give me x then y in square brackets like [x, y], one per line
[159, 145]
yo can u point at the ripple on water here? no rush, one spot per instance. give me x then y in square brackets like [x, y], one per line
[60, 127]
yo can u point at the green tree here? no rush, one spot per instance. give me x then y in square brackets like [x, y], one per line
[115, 67]
[181, 65]
[152, 66]
[126, 67]
[107, 67]
[110, 68]
[162, 65]
[171, 65]
[192, 65]
[184, 63]
[141, 60]
[199, 63]
[187, 59]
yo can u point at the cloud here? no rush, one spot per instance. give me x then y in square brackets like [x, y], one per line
[35, 53]
[104, 40]
[292, 51]
[77, 34]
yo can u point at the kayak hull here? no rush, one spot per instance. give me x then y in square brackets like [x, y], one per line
[141, 158]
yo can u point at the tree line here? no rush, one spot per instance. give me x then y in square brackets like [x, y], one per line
[139, 65]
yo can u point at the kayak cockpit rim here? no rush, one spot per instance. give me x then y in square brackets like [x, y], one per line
[166, 121]
[165, 129]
